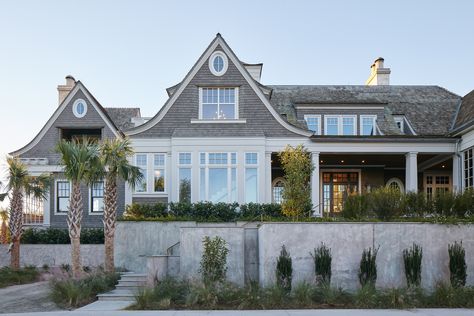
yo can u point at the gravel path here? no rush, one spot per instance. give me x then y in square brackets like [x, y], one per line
[26, 298]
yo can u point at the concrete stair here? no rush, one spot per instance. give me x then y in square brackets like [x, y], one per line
[128, 286]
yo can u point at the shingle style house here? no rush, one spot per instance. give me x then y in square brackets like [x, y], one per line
[217, 137]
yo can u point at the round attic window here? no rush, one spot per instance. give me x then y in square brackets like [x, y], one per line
[79, 108]
[218, 63]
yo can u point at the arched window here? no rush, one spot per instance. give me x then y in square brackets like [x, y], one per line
[395, 183]
[277, 190]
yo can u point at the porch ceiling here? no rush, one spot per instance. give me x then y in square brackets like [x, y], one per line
[387, 161]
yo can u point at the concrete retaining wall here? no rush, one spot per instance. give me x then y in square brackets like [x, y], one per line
[347, 241]
[53, 255]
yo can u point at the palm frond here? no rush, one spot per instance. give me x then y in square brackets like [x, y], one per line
[115, 156]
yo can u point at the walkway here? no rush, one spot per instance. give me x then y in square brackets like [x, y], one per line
[26, 298]
[322, 312]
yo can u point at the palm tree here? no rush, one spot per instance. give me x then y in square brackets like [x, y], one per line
[4, 227]
[115, 154]
[81, 166]
[20, 183]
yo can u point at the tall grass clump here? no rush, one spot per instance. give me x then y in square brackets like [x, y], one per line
[322, 264]
[368, 267]
[284, 270]
[412, 261]
[213, 266]
[457, 264]
[9, 276]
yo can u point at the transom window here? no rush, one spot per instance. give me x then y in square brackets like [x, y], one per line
[313, 122]
[469, 168]
[63, 192]
[251, 158]
[218, 104]
[340, 125]
[97, 197]
[367, 125]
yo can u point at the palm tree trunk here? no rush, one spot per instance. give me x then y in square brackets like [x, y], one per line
[110, 218]
[16, 226]
[4, 236]
[74, 220]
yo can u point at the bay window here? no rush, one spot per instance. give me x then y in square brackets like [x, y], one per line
[218, 104]
[218, 177]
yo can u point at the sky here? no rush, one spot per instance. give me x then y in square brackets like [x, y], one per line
[128, 52]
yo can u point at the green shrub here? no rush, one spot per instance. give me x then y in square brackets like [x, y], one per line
[356, 207]
[453, 297]
[368, 267]
[138, 210]
[24, 275]
[303, 294]
[284, 270]
[61, 236]
[180, 209]
[412, 262]
[443, 203]
[74, 293]
[457, 264]
[254, 210]
[335, 297]
[168, 293]
[322, 264]
[415, 204]
[464, 203]
[366, 296]
[385, 202]
[213, 266]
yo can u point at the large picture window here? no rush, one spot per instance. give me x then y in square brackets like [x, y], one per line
[251, 177]
[159, 172]
[184, 170]
[218, 104]
[141, 162]
[469, 168]
[218, 177]
[63, 192]
[97, 197]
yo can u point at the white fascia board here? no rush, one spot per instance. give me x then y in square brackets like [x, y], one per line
[218, 141]
[382, 147]
[467, 140]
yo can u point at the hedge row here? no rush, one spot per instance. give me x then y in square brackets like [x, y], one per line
[203, 211]
[61, 236]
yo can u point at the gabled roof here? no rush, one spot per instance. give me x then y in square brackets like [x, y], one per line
[465, 114]
[429, 109]
[102, 112]
[176, 91]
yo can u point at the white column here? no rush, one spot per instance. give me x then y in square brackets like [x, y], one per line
[268, 177]
[457, 172]
[46, 209]
[315, 184]
[411, 172]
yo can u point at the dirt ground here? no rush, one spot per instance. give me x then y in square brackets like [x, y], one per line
[26, 298]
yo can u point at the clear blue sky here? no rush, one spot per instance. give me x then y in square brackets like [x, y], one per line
[128, 52]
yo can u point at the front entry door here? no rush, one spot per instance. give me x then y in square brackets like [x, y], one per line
[337, 186]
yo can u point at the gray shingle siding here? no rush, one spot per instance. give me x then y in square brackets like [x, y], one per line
[45, 147]
[176, 122]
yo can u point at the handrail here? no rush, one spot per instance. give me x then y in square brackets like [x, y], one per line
[169, 249]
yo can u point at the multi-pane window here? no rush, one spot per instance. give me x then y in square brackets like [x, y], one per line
[63, 192]
[218, 177]
[340, 125]
[218, 104]
[469, 168]
[97, 197]
[436, 184]
[159, 172]
[141, 162]
[251, 158]
[184, 174]
[251, 177]
[367, 124]
[278, 191]
[33, 209]
[313, 122]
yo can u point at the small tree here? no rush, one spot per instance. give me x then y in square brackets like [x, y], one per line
[368, 267]
[213, 267]
[412, 260]
[297, 165]
[322, 264]
[457, 264]
[4, 236]
[284, 270]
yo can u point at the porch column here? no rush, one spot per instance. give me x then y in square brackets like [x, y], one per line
[268, 177]
[457, 174]
[411, 172]
[315, 184]
[46, 209]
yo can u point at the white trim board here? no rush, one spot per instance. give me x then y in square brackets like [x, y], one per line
[203, 59]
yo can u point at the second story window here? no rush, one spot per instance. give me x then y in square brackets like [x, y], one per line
[367, 124]
[340, 125]
[218, 104]
[313, 122]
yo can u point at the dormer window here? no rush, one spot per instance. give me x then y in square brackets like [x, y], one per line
[218, 104]
[340, 125]
[313, 122]
[403, 125]
[367, 125]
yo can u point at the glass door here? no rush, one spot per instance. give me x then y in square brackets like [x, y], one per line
[337, 186]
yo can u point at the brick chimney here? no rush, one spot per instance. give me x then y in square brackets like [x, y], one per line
[63, 90]
[379, 76]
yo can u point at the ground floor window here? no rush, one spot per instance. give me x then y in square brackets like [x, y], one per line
[469, 168]
[63, 192]
[436, 183]
[184, 185]
[97, 197]
[218, 177]
[33, 211]
[277, 190]
[337, 186]
[396, 184]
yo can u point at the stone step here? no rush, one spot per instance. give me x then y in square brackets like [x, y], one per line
[129, 287]
[134, 277]
[117, 295]
[132, 283]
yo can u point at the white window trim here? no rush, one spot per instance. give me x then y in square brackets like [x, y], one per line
[74, 108]
[251, 166]
[340, 124]
[184, 166]
[374, 122]
[224, 59]
[236, 108]
[401, 120]
[229, 166]
[397, 181]
[90, 200]
[150, 176]
[318, 117]
[56, 195]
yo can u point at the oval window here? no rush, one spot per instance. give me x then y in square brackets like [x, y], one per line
[79, 108]
[218, 63]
